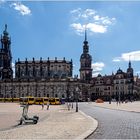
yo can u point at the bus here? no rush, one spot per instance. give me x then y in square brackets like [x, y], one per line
[15, 100]
[54, 101]
[39, 101]
[57, 101]
[8, 99]
[45, 100]
[1, 99]
[27, 100]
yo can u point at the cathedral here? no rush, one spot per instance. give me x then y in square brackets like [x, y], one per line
[42, 78]
[54, 78]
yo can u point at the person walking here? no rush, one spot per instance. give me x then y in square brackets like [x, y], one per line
[48, 104]
[42, 106]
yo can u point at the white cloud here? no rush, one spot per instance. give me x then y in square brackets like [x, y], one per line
[137, 72]
[91, 19]
[24, 10]
[116, 59]
[133, 56]
[95, 74]
[79, 13]
[79, 28]
[96, 17]
[105, 20]
[96, 28]
[75, 10]
[98, 66]
[87, 13]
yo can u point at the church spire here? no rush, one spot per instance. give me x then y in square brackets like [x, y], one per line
[85, 61]
[5, 31]
[129, 65]
[85, 42]
[5, 27]
[85, 47]
[85, 34]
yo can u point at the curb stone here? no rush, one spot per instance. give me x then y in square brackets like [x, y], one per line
[91, 129]
[117, 109]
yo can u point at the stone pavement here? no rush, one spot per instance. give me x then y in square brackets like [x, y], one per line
[113, 123]
[129, 106]
[55, 123]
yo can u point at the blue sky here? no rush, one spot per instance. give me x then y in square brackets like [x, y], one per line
[56, 29]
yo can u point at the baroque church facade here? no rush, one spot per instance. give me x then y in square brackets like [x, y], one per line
[54, 78]
[40, 78]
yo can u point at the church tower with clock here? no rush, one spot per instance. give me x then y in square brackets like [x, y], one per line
[85, 62]
[6, 71]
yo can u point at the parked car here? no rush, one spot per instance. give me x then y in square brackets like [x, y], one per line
[99, 101]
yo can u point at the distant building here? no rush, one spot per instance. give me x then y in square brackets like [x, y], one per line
[136, 90]
[118, 86]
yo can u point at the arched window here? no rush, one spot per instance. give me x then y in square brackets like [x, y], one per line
[14, 95]
[44, 94]
[22, 73]
[30, 73]
[63, 96]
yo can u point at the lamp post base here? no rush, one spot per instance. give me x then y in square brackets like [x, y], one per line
[76, 107]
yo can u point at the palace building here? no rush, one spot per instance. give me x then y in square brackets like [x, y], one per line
[51, 78]
[119, 86]
[54, 78]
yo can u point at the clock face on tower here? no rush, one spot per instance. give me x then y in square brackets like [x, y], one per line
[87, 72]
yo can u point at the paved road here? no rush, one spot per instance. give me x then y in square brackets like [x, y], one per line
[113, 124]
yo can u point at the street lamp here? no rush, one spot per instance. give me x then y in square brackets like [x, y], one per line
[77, 89]
[44, 91]
[52, 90]
[109, 98]
[12, 89]
[68, 98]
[28, 87]
[19, 88]
[119, 98]
[36, 88]
[72, 102]
[5, 88]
